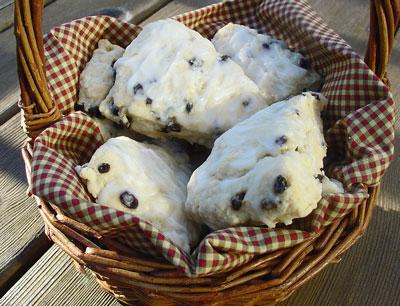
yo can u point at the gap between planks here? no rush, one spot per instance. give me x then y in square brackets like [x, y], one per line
[56, 13]
[365, 259]
[53, 280]
[21, 227]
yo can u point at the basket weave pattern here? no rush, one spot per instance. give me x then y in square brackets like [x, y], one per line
[129, 276]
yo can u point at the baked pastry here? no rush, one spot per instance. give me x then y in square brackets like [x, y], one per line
[171, 82]
[267, 169]
[277, 71]
[144, 180]
[98, 76]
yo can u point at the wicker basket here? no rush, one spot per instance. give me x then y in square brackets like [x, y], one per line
[133, 279]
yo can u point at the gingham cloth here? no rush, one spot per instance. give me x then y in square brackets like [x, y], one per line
[358, 126]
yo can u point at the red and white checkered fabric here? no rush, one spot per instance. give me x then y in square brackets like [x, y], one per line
[358, 127]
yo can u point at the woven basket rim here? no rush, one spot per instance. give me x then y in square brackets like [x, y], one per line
[127, 275]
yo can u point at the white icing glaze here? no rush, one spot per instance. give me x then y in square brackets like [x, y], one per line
[265, 60]
[97, 78]
[150, 173]
[284, 140]
[194, 93]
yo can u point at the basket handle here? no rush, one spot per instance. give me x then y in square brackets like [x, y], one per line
[384, 24]
[39, 110]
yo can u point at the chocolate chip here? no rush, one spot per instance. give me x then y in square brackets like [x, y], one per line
[265, 45]
[195, 62]
[320, 177]
[94, 111]
[189, 107]
[297, 149]
[246, 103]
[280, 184]
[149, 101]
[281, 140]
[104, 168]
[237, 200]
[129, 200]
[297, 112]
[224, 58]
[137, 88]
[113, 108]
[305, 64]
[172, 126]
[267, 204]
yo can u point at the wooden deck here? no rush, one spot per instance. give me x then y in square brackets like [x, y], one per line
[35, 272]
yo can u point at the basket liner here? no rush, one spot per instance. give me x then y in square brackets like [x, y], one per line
[358, 125]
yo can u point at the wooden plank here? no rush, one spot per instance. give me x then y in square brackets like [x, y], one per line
[178, 7]
[53, 280]
[21, 230]
[7, 13]
[368, 273]
[55, 14]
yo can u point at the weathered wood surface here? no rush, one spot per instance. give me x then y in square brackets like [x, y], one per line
[57, 13]
[53, 280]
[368, 273]
[7, 13]
[21, 230]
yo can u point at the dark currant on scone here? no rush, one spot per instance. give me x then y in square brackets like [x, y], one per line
[188, 107]
[268, 204]
[103, 168]
[280, 141]
[224, 58]
[237, 200]
[195, 62]
[129, 200]
[137, 88]
[280, 184]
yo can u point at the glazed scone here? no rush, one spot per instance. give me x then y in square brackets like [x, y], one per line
[145, 180]
[265, 170]
[278, 72]
[171, 82]
[98, 76]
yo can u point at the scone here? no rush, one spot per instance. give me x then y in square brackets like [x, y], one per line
[171, 82]
[278, 71]
[265, 170]
[98, 76]
[145, 180]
